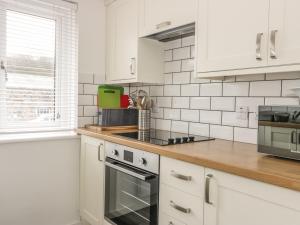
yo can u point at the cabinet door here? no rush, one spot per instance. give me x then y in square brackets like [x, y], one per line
[159, 15]
[284, 32]
[92, 180]
[232, 34]
[122, 40]
[235, 200]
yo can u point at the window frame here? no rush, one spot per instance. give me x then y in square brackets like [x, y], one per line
[59, 83]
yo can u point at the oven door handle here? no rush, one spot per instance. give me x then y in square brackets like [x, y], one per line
[129, 172]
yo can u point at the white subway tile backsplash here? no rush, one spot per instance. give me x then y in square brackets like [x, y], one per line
[181, 78]
[163, 124]
[231, 119]
[174, 66]
[289, 84]
[200, 103]
[85, 100]
[201, 129]
[172, 44]
[181, 102]
[172, 90]
[86, 78]
[82, 121]
[190, 115]
[190, 90]
[172, 114]
[245, 135]
[203, 106]
[236, 89]
[212, 117]
[80, 110]
[164, 102]
[168, 78]
[188, 41]
[182, 53]
[252, 77]
[283, 76]
[187, 65]
[90, 89]
[265, 88]
[253, 121]
[80, 89]
[180, 126]
[213, 89]
[251, 102]
[282, 101]
[156, 91]
[223, 103]
[168, 55]
[90, 111]
[222, 132]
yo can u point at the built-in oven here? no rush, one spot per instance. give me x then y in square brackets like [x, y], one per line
[131, 186]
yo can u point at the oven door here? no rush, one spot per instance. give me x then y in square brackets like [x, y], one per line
[131, 195]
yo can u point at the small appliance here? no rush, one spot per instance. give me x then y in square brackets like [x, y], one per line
[279, 131]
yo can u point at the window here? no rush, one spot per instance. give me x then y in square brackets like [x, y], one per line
[38, 66]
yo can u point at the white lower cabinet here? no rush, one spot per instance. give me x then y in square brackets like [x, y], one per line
[234, 200]
[194, 195]
[92, 180]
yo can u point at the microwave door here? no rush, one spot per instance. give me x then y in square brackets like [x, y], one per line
[281, 138]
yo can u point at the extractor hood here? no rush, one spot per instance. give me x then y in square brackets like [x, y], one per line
[175, 33]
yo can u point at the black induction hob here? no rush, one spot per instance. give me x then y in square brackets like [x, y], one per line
[163, 137]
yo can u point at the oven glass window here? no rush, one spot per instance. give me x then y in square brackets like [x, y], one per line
[130, 200]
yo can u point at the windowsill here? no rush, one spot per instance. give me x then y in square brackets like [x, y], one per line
[43, 136]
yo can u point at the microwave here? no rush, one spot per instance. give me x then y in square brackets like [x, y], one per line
[279, 131]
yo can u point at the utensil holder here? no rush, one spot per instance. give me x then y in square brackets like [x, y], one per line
[144, 122]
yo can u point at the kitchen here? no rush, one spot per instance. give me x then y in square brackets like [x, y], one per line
[226, 72]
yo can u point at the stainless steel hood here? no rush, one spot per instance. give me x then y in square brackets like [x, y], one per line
[175, 33]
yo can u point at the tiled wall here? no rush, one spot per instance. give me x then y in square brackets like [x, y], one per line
[209, 107]
[87, 98]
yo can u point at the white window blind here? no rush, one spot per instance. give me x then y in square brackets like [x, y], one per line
[38, 65]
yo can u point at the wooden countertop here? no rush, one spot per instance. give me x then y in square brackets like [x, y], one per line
[232, 157]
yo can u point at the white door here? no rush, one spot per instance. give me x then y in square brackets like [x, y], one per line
[238, 201]
[232, 34]
[159, 15]
[284, 32]
[92, 180]
[122, 40]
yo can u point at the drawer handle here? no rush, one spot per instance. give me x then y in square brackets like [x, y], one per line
[207, 189]
[163, 24]
[273, 54]
[180, 176]
[180, 208]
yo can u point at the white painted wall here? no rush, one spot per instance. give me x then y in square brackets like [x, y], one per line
[39, 181]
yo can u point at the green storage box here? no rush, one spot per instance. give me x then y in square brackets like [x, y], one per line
[109, 96]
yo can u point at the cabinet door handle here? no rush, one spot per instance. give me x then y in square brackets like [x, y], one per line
[207, 188]
[273, 54]
[132, 66]
[258, 46]
[171, 223]
[163, 24]
[294, 137]
[180, 208]
[99, 152]
[180, 176]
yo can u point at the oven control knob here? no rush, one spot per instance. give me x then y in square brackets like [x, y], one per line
[115, 152]
[142, 161]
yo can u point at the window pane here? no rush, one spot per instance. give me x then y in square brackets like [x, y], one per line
[30, 86]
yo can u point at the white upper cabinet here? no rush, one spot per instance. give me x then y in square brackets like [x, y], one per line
[129, 59]
[237, 37]
[284, 32]
[160, 15]
[232, 34]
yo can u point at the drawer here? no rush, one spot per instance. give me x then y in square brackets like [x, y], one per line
[164, 219]
[181, 206]
[181, 175]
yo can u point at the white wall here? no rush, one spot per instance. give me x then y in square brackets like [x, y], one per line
[39, 181]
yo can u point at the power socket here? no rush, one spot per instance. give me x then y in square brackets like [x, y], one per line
[242, 113]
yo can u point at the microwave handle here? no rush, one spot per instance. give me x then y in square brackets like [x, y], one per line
[294, 137]
[129, 172]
